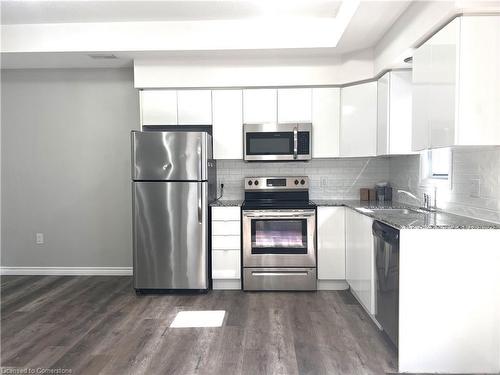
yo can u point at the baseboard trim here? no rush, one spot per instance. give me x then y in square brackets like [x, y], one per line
[67, 271]
[226, 284]
[332, 285]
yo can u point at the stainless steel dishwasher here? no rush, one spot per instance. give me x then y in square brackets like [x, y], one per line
[386, 245]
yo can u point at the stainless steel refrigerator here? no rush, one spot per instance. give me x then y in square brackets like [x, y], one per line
[173, 180]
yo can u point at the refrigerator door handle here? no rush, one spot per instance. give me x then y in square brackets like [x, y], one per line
[200, 164]
[200, 188]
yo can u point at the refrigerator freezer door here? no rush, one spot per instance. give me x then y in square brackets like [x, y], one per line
[170, 235]
[170, 156]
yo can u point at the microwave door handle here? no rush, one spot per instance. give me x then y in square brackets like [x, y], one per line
[295, 141]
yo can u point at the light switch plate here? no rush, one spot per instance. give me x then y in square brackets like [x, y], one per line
[475, 188]
[39, 239]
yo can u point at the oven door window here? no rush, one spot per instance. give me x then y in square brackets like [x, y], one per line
[273, 143]
[279, 236]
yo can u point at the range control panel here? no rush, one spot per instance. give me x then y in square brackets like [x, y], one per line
[276, 183]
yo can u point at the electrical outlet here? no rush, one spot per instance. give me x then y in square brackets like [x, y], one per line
[323, 181]
[475, 188]
[39, 239]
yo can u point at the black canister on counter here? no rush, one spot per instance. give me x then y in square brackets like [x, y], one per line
[388, 193]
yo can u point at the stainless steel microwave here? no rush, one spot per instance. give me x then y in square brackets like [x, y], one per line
[277, 142]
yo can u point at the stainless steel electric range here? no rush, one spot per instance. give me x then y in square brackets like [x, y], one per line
[279, 234]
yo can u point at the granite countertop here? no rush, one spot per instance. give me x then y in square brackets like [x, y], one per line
[226, 203]
[415, 219]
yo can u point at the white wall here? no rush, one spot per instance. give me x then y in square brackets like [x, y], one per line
[249, 70]
[417, 23]
[468, 164]
[66, 167]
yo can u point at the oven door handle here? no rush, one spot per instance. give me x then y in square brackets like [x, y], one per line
[280, 273]
[295, 142]
[265, 216]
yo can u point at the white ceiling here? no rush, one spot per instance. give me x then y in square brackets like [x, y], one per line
[22, 12]
[370, 21]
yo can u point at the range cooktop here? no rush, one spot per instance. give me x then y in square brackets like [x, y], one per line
[276, 193]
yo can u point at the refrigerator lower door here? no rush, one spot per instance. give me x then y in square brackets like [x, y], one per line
[170, 156]
[170, 235]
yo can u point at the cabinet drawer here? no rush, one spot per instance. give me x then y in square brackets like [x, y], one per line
[226, 213]
[226, 228]
[226, 264]
[226, 242]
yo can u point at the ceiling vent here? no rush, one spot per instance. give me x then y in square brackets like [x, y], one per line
[102, 56]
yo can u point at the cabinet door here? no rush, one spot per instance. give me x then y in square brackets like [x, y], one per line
[325, 122]
[358, 125]
[420, 101]
[226, 264]
[194, 107]
[479, 81]
[442, 96]
[383, 85]
[294, 105]
[227, 127]
[400, 112]
[260, 106]
[159, 107]
[331, 243]
[360, 262]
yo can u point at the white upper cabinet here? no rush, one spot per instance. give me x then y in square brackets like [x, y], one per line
[325, 122]
[331, 243]
[479, 81]
[173, 107]
[158, 107]
[194, 107]
[456, 77]
[394, 114]
[260, 106]
[227, 130]
[294, 105]
[358, 124]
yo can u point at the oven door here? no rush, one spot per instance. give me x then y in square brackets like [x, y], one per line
[277, 142]
[279, 238]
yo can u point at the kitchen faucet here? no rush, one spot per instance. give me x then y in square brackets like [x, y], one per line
[427, 201]
[426, 205]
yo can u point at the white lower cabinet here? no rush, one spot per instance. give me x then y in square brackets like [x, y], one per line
[226, 247]
[360, 262]
[331, 243]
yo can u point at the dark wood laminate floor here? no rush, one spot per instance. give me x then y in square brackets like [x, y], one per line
[97, 325]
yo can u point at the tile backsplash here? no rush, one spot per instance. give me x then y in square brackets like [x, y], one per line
[342, 179]
[328, 178]
[469, 164]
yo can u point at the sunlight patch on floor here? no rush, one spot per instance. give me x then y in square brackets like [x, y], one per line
[192, 319]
